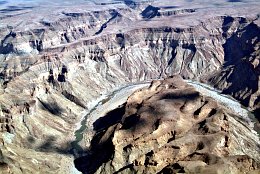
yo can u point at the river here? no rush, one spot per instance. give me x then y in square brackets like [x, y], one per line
[229, 102]
[105, 103]
[119, 96]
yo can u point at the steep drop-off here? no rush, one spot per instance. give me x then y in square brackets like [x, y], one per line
[53, 69]
[240, 74]
[172, 128]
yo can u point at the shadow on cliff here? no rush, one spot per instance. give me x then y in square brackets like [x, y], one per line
[109, 119]
[257, 114]
[238, 46]
[50, 145]
[238, 71]
[185, 95]
[99, 152]
[52, 107]
[102, 148]
[13, 8]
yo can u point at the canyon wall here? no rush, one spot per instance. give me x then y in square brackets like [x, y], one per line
[52, 71]
[171, 128]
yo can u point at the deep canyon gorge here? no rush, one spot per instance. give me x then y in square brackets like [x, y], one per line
[130, 86]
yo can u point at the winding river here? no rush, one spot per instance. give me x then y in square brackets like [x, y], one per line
[103, 105]
[119, 96]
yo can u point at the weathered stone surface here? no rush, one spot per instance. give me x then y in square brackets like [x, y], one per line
[171, 127]
[241, 78]
[55, 61]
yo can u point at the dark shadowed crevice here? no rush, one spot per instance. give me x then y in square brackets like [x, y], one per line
[171, 169]
[181, 96]
[238, 46]
[150, 12]
[110, 118]
[257, 114]
[96, 156]
[212, 112]
[52, 107]
[197, 112]
[73, 99]
[130, 121]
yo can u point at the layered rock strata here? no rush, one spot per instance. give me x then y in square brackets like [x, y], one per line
[56, 62]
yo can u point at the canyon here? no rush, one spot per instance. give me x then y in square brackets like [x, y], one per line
[172, 128]
[64, 67]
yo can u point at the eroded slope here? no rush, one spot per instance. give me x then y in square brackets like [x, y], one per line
[171, 127]
[55, 64]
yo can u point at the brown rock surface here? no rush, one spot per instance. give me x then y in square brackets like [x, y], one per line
[171, 128]
[58, 59]
[240, 76]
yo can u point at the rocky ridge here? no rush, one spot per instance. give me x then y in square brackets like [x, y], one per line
[172, 128]
[53, 68]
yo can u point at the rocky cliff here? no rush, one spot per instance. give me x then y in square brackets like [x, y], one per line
[56, 62]
[240, 75]
[172, 128]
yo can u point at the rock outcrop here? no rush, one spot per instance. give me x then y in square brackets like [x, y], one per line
[56, 62]
[172, 128]
[240, 74]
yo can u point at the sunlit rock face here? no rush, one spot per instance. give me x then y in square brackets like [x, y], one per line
[172, 128]
[57, 58]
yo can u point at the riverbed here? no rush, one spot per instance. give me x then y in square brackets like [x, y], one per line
[230, 103]
[113, 100]
[99, 108]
